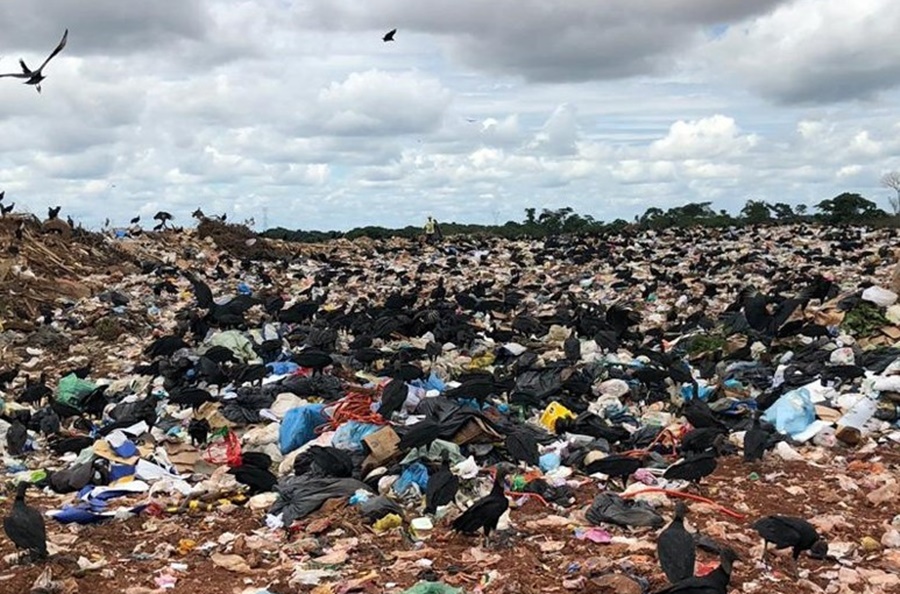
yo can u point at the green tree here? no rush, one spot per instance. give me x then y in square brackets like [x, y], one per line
[757, 211]
[848, 208]
[783, 211]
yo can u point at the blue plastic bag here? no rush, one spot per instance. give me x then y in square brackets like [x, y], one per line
[282, 367]
[299, 426]
[549, 461]
[703, 392]
[349, 436]
[432, 383]
[415, 473]
[792, 413]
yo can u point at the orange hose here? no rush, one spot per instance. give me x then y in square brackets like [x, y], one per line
[353, 407]
[535, 495]
[670, 493]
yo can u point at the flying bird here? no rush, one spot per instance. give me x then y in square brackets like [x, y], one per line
[34, 77]
[135, 220]
[389, 36]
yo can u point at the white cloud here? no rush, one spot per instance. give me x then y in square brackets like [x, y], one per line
[608, 107]
[716, 136]
[376, 102]
[816, 51]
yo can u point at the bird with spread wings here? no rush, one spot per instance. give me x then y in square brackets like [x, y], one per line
[34, 77]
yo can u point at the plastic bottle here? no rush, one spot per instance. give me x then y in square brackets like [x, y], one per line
[851, 424]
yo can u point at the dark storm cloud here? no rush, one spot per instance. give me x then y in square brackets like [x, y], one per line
[577, 40]
[101, 26]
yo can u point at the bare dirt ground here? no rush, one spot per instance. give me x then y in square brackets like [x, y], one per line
[535, 556]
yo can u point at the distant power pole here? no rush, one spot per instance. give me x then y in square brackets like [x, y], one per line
[265, 218]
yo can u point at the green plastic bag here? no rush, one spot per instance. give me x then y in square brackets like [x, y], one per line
[433, 588]
[72, 389]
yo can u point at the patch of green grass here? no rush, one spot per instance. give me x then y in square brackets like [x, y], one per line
[108, 329]
[705, 343]
[864, 319]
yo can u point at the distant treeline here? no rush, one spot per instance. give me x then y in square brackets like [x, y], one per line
[846, 208]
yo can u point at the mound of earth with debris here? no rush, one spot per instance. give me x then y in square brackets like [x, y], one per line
[326, 420]
[40, 264]
[240, 242]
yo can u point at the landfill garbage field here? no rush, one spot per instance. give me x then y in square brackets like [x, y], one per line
[209, 411]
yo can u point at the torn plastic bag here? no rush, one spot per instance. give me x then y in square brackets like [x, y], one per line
[414, 474]
[375, 508]
[72, 389]
[299, 426]
[792, 413]
[609, 508]
[349, 436]
[299, 496]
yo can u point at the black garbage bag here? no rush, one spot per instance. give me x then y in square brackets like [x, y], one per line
[327, 387]
[245, 409]
[534, 386]
[130, 413]
[609, 508]
[375, 508]
[299, 496]
[562, 495]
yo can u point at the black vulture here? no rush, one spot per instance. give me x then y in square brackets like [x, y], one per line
[715, 582]
[755, 440]
[789, 531]
[693, 468]
[484, 513]
[389, 36]
[35, 77]
[25, 526]
[615, 466]
[675, 548]
[199, 430]
[393, 396]
[442, 486]
[16, 437]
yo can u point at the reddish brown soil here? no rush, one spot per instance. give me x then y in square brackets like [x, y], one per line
[528, 559]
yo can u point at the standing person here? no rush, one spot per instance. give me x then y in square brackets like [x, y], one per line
[432, 233]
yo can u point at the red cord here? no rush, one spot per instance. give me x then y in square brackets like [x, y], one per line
[535, 495]
[670, 493]
[355, 406]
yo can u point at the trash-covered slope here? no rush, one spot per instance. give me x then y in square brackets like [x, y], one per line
[217, 365]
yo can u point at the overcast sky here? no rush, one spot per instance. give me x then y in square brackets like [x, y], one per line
[478, 110]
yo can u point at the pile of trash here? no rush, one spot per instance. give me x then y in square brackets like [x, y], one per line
[483, 415]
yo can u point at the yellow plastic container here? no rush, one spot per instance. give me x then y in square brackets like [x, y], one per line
[555, 411]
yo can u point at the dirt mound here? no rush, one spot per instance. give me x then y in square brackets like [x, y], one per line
[42, 267]
[241, 242]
